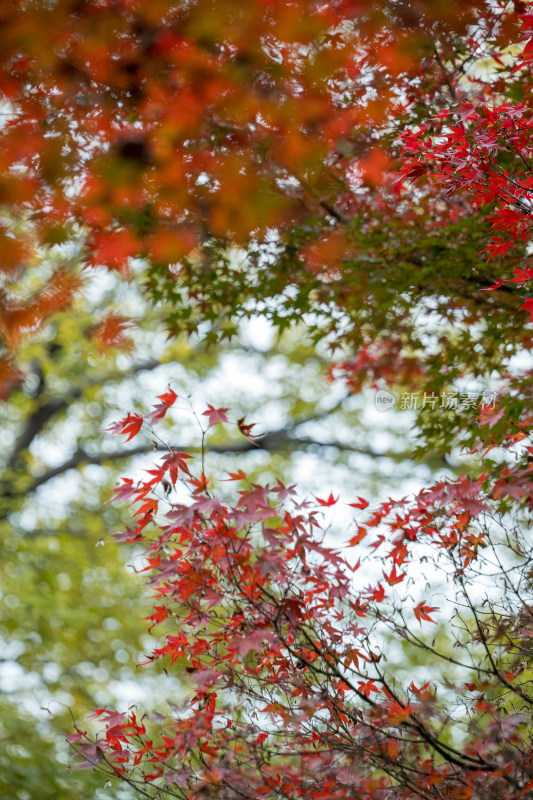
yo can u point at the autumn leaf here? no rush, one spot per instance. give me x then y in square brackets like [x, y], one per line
[528, 306]
[367, 687]
[422, 612]
[174, 463]
[237, 476]
[160, 614]
[394, 577]
[114, 248]
[215, 415]
[329, 502]
[167, 401]
[111, 332]
[359, 536]
[131, 425]
[125, 491]
[361, 504]
[379, 593]
[527, 53]
[246, 430]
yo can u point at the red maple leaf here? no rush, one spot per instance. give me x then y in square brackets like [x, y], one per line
[174, 462]
[423, 612]
[329, 502]
[246, 430]
[160, 614]
[361, 504]
[236, 476]
[359, 536]
[167, 400]
[394, 577]
[379, 593]
[365, 687]
[131, 425]
[528, 306]
[527, 53]
[125, 491]
[111, 332]
[215, 414]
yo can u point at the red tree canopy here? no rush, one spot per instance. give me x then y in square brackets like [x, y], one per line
[165, 131]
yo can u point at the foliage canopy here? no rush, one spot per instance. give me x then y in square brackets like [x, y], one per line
[343, 165]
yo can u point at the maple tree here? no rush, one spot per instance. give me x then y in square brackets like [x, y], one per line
[290, 691]
[139, 128]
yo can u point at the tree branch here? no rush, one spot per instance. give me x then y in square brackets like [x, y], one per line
[272, 442]
[44, 412]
